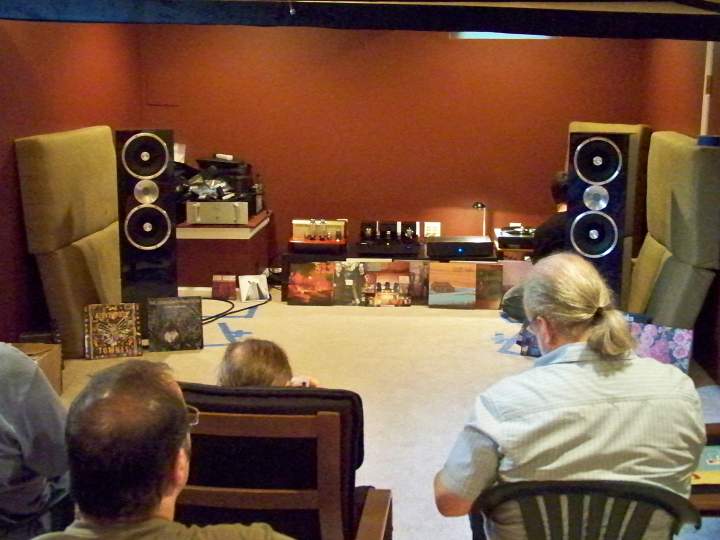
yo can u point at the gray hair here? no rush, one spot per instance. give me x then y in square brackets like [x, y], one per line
[568, 291]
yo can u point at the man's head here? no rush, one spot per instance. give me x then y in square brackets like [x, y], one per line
[125, 434]
[254, 362]
[559, 190]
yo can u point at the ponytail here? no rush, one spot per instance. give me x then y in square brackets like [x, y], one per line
[609, 334]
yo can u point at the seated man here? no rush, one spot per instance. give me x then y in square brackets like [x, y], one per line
[589, 409]
[258, 362]
[128, 436]
[549, 238]
[33, 461]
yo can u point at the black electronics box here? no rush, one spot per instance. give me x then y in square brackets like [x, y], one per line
[460, 247]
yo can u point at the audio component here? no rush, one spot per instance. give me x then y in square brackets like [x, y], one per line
[389, 239]
[607, 188]
[460, 247]
[596, 202]
[146, 213]
[318, 235]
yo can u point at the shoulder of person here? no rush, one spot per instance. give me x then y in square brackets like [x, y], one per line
[233, 531]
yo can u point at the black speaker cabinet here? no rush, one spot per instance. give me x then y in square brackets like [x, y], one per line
[146, 213]
[597, 176]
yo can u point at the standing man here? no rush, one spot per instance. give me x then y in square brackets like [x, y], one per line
[128, 438]
[33, 461]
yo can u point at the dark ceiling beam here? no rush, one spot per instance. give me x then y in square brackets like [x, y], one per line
[448, 16]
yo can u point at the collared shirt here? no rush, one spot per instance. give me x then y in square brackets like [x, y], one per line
[161, 529]
[32, 442]
[577, 416]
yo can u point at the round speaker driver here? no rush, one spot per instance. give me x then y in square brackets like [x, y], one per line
[146, 192]
[147, 227]
[145, 156]
[593, 234]
[596, 198]
[597, 160]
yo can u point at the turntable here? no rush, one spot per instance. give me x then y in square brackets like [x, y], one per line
[516, 236]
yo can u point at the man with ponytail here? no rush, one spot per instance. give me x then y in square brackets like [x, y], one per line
[589, 408]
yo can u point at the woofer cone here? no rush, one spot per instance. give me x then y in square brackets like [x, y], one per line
[597, 160]
[593, 234]
[147, 227]
[145, 156]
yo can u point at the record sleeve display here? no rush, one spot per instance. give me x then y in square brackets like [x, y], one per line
[112, 330]
[311, 284]
[489, 286]
[175, 324]
[452, 285]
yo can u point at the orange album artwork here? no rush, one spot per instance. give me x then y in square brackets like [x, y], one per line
[311, 284]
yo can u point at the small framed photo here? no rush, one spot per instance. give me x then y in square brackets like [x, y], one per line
[253, 288]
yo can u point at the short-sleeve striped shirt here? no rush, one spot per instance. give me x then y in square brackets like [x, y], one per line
[575, 416]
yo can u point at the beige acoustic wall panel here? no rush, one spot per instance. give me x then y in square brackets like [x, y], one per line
[684, 198]
[68, 182]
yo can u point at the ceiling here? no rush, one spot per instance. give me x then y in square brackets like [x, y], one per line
[687, 19]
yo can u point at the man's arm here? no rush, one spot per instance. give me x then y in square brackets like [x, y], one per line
[448, 503]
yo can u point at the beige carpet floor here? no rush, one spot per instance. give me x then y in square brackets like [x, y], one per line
[417, 370]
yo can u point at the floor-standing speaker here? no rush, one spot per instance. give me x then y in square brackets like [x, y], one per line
[607, 165]
[146, 213]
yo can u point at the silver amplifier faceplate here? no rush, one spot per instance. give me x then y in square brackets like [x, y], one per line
[217, 213]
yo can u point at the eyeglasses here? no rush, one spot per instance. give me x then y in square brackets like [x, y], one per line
[193, 415]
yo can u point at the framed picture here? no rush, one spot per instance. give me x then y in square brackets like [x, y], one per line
[253, 288]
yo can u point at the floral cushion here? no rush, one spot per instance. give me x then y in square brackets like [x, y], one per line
[663, 343]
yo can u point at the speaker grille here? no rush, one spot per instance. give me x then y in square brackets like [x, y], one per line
[593, 234]
[145, 156]
[147, 227]
[598, 160]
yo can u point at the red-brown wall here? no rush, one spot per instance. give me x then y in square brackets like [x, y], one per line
[388, 124]
[357, 124]
[55, 77]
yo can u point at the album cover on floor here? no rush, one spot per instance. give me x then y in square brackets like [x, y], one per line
[489, 286]
[386, 283]
[175, 323]
[663, 343]
[452, 285]
[253, 288]
[224, 287]
[112, 330]
[310, 284]
[347, 283]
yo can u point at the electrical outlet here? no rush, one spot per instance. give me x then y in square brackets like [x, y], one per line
[432, 228]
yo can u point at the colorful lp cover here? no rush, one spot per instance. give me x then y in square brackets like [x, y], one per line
[112, 330]
[311, 284]
[663, 343]
[708, 471]
[452, 285]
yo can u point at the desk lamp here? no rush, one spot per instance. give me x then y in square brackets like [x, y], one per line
[482, 206]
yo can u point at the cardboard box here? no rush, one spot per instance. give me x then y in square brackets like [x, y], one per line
[48, 357]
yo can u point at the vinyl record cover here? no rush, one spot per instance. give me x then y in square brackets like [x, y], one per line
[347, 283]
[112, 330]
[175, 323]
[489, 287]
[452, 285]
[310, 284]
[253, 288]
[385, 283]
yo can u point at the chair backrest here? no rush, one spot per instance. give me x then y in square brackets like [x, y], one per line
[68, 182]
[623, 510]
[285, 456]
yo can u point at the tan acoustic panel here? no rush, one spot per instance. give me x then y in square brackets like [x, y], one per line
[645, 273]
[68, 182]
[684, 198]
